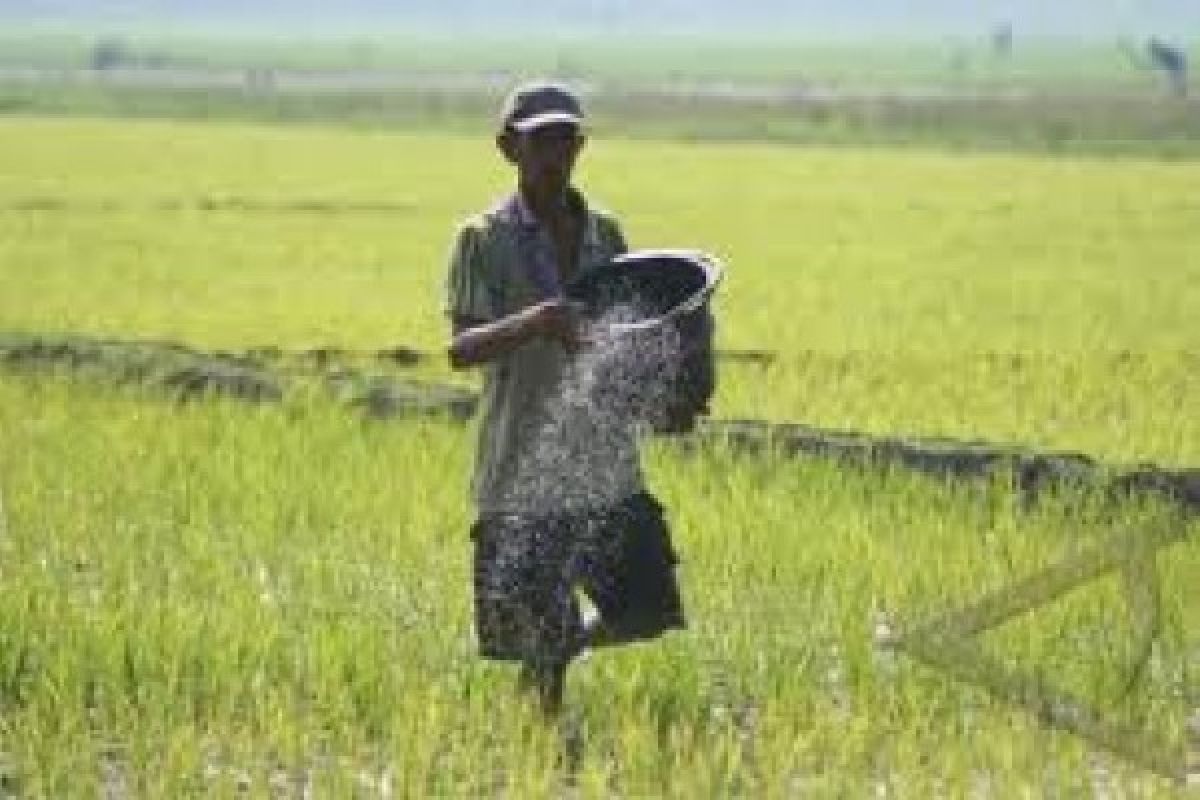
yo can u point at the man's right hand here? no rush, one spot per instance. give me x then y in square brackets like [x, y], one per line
[560, 321]
[475, 343]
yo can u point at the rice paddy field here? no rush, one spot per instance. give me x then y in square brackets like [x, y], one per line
[221, 598]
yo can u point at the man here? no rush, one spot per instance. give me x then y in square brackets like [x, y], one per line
[553, 516]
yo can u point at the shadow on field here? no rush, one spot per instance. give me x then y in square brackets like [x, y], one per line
[367, 381]
[1031, 471]
[258, 375]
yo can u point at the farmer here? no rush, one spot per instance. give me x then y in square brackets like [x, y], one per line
[547, 526]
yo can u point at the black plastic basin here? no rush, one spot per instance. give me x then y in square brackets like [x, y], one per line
[643, 294]
[649, 286]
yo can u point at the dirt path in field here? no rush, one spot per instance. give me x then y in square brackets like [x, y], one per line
[371, 383]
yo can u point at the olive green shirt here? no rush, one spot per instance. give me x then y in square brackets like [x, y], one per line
[537, 450]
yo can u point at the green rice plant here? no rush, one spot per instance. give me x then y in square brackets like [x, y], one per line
[215, 596]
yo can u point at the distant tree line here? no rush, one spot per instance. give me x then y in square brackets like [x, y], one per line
[115, 52]
[1162, 56]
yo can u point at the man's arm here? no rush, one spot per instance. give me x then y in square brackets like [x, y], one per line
[474, 342]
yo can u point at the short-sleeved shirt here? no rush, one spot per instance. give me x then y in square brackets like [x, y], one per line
[536, 453]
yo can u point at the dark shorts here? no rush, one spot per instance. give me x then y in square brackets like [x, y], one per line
[527, 571]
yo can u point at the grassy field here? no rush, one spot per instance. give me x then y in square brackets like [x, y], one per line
[222, 599]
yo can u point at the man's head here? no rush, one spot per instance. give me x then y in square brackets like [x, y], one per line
[541, 133]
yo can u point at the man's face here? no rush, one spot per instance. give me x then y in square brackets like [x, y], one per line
[545, 156]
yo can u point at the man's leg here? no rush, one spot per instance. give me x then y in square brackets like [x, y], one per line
[547, 682]
[630, 576]
[550, 617]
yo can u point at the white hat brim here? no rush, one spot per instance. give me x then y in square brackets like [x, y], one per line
[546, 118]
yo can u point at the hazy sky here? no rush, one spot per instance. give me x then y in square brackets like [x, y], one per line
[1180, 18]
